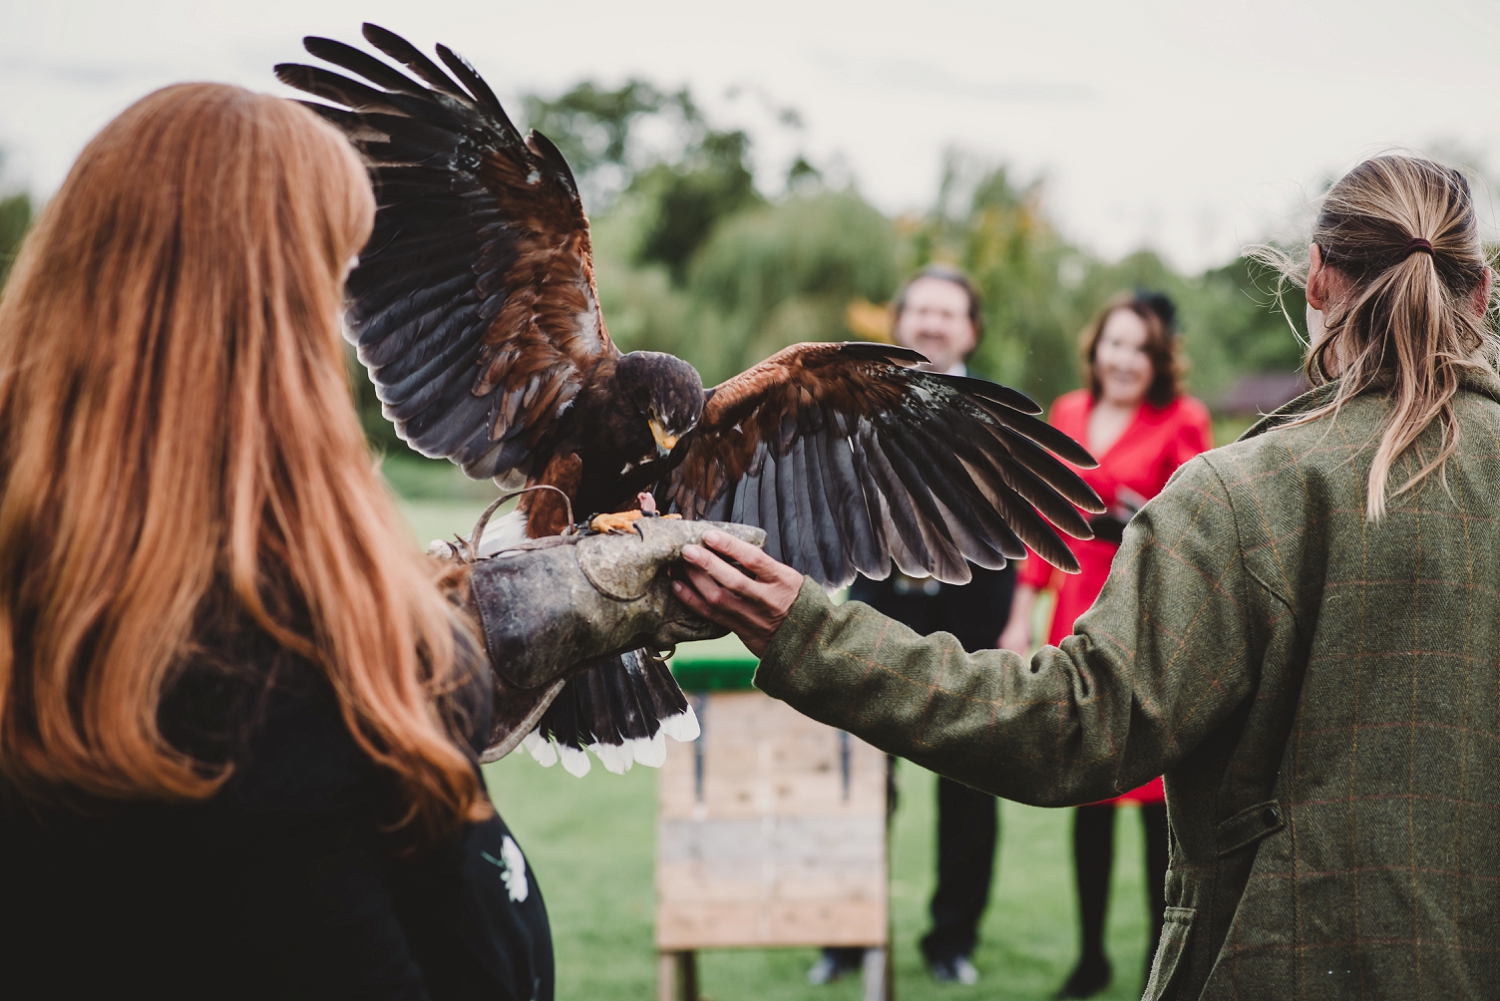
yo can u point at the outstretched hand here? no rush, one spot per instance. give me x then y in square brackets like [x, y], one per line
[752, 606]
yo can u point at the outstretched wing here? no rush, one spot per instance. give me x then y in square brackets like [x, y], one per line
[850, 458]
[474, 305]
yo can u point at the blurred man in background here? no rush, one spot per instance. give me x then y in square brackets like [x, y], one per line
[938, 313]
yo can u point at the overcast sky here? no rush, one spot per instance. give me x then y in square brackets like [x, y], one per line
[1189, 127]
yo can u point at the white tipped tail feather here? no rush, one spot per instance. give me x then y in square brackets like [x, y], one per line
[622, 708]
[682, 727]
[617, 758]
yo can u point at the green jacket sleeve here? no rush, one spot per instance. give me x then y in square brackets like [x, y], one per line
[1165, 655]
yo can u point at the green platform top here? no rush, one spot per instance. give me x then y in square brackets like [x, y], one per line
[714, 665]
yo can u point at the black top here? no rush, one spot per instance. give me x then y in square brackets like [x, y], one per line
[975, 613]
[287, 883]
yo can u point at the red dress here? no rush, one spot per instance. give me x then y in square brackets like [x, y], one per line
[1154, 444]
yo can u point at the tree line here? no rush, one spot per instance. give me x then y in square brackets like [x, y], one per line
[698, 255]
[693, 256]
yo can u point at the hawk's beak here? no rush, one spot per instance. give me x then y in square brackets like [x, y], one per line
[664, 442]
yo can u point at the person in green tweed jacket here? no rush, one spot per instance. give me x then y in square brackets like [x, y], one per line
[1302, 632]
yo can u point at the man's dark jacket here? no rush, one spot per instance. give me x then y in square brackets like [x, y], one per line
[1321, 691]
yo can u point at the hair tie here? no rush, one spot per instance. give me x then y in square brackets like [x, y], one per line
[1419, 244]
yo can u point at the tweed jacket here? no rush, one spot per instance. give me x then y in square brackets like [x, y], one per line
[1322, 694]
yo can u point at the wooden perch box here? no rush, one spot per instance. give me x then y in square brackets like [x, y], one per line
[772, 832]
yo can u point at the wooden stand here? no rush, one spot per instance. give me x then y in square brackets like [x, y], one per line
[771, 832]
[677, 976]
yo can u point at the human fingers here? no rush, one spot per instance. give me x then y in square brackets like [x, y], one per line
[774, 577]
[727, 576]
[724, 608]
[779, 584]
[694, 601]
[705, 587]
[752, 558]
[753, 607]
[726, 604]
[701, 594]
[707, 598]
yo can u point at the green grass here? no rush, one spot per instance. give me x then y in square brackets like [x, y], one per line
[591, 844]
[441, 519]
[416, 478]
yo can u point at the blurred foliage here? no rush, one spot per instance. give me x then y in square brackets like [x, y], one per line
[693, 258]
[785, 274]
[766, 278]
[595, 128]
[997, 231]
[636, 139]
[688, 199]
[15, 217]
[1040, 292]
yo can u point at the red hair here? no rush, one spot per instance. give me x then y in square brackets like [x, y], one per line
[176, 422]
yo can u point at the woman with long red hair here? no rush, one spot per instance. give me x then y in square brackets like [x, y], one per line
[238, 715]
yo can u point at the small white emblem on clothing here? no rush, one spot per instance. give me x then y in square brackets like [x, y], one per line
[512, 866]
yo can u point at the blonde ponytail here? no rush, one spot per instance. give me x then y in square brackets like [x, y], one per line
[1403, 231]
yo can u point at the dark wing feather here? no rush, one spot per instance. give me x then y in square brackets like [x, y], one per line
[474, 304]
[366, 65]
[474, 82]
[404, 52]
[850, 458]
[616, 708]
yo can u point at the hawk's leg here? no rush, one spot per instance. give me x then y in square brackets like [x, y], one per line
[620, 523]
[623, 521]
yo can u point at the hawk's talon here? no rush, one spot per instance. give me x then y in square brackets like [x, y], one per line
[618, 523]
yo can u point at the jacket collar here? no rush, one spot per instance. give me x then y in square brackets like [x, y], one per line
[1482, 381]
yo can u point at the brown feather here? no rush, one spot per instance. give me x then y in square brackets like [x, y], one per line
[546, 513]
[920, 501]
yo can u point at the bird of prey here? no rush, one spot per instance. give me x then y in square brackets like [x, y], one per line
[475, 311]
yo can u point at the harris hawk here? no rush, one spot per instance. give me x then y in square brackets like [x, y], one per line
[474, 308]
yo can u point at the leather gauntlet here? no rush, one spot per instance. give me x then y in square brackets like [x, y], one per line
[551, 608]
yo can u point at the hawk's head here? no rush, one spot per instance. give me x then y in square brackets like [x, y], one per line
[665, 391]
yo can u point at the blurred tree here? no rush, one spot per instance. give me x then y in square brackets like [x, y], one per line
[1261, 324]
[596, 129]
[1040, 291]
[658, 148]
[802, 176]
[15, 219]
[997, 230]
[785, 273]
[687, 199]
[691, 258]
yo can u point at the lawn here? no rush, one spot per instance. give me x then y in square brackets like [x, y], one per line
[591, 844]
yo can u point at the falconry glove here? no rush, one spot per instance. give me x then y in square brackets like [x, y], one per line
[551, 608]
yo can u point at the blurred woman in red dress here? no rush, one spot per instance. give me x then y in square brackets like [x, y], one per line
[1136, 421]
